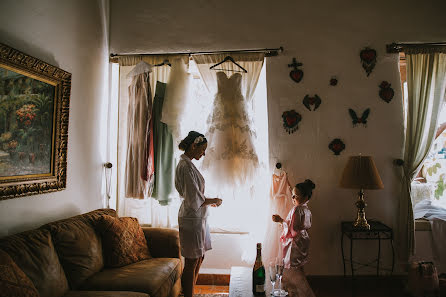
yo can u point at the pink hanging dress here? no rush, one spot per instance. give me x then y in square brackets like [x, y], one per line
[280, 203]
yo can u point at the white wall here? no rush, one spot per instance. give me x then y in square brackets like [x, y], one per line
[326, 36]
[71, 35]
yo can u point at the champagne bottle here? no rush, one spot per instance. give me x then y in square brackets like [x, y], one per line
[258, 273]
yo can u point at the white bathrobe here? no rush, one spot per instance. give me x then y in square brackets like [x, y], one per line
[195, 238]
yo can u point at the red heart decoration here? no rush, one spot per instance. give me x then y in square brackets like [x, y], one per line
[368, 55]
[290, 120]
[296, 75]
[386, 94]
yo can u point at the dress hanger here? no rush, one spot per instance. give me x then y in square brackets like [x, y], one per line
[229, 58]
[278, 170]
[141, 67]
[165, 62]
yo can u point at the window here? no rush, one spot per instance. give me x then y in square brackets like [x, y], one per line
[430, 182]
[238, 215]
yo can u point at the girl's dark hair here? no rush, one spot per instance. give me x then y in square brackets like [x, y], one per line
[306, 188]
[190, 138]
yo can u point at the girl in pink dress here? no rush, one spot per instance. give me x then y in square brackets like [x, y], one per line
[295, 240]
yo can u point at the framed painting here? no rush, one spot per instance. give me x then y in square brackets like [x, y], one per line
[34, 108]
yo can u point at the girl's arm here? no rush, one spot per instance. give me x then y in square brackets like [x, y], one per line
[277, 219]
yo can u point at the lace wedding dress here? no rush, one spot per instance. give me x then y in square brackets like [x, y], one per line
[231, 159]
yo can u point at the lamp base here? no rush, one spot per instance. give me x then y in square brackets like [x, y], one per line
[361, 224]
[361, 221]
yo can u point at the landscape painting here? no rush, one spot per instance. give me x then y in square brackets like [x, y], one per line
[26, 124]
[34, 112]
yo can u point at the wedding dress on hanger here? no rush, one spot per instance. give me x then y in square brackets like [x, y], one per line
[231, 158]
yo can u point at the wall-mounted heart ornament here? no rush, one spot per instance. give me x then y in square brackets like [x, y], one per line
[296, 74]
[312, 101]
[368, 59]
[386, 93]
[291, 119]
[337, 146]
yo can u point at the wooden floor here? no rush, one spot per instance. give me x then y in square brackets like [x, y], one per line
[334, 287]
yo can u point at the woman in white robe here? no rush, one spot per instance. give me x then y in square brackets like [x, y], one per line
[192, 217]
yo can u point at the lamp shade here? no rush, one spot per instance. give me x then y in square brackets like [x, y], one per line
[361, 173]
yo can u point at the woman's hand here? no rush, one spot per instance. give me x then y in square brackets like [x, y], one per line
[277, 219]
[217, 202]
[214, 202]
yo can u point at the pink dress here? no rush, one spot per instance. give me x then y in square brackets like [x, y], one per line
[295, 240]
[280, 202]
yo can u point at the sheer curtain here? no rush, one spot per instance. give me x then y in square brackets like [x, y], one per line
[148, 211]
[426, 73]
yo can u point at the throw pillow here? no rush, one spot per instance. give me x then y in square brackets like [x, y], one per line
[123, 241]
[13, 281]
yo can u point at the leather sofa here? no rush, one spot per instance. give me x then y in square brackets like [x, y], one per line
[65, 258]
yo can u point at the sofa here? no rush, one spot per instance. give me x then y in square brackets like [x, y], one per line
[69, 258]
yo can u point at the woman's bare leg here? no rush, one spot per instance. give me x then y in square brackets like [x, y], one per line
[188, 276]
[197, 268]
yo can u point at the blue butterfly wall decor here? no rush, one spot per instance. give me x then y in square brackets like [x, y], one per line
[362, 119]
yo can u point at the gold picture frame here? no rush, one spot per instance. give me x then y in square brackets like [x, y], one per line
[34, 109]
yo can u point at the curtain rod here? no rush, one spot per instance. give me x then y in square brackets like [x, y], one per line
[269, 52]
[400, 47]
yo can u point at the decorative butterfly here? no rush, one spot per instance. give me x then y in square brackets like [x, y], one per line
[362, 119]
[316, 101]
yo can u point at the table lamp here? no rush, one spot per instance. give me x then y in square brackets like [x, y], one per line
[361, 173]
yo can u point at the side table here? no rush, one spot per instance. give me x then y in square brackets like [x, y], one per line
[378, 231]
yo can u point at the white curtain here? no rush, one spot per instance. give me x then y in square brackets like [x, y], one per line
[148, 211]
[426, 83]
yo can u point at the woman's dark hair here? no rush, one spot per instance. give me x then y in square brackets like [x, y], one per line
[190, 138]
[306, 188]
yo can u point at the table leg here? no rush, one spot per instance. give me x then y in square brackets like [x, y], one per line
[379, 255]
[393, 254]
[352, 267]
[342, 251]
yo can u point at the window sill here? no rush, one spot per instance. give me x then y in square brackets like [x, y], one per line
[212, 230]
[422, 225]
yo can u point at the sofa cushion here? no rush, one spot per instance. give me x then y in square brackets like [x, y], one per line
[155, 277]
[13, 281]
[79, 248]
[123, 241]
[34, 253]
[104, 294]
[95, 216]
